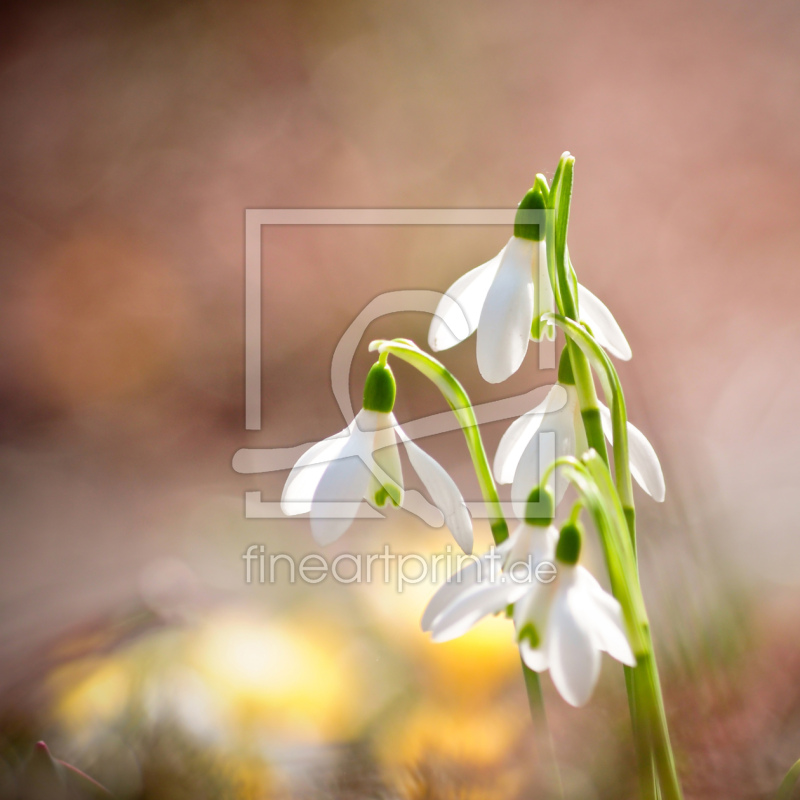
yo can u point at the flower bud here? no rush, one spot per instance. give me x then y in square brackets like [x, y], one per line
[568, 549]
[528, 224]
[540, 508]
[380, 389]
[565, 376]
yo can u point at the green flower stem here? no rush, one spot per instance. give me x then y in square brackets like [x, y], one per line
[651, 733]
[648, 685]
[610, 522]
[458, 400]
[567, 301]
[616, 402]
[789, 782]
[617, 523]
[648, 776]
[545, 746]
[614, 539]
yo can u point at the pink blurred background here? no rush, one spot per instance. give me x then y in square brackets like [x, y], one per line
[133, 136]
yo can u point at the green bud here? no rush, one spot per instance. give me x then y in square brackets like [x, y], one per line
[565, 376]
[524, 228]
[540, 508]
[380, 389]
[568, 549]
[530, 634]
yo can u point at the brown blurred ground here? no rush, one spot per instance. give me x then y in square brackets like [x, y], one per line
[134, 135]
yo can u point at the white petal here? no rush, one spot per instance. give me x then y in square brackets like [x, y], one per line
[449, 592]
[574, 659]
[298, 492]
[534, 542]
[458, 312]
[644, 463]
[504, 327]
[534, 658]
[387, 472]
[534, 608]
[463, 581]
[342, 487]
[520, 433]
[604, 327]
[554, 439]
[604, 617]
[471, 607]
[443, 491]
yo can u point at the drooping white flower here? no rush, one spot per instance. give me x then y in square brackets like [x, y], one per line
[562, 623]
[523, 453]
[497, 300]
[502, 298]
[566, 624]
[362, 462]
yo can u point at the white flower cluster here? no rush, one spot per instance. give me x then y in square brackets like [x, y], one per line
[561, 626]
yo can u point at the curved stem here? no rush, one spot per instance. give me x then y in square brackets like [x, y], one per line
[561, 198]
[459, 402]
[616, 402]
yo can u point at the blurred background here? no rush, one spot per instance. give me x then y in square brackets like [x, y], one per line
[133, 136]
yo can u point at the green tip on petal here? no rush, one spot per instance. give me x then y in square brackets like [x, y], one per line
[530, 634]
[529, 225]
[389, 492]
[565, 376]
[380, 389]
[540, 508]
[568, 549]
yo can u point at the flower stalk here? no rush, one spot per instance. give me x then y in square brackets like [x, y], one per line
[567, 302]
[656, 759]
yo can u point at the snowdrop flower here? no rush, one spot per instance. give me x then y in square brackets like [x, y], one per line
[497, 579]
[497, 300]
[563, 621]
[564, 625]
[521, 457]
[362, 462]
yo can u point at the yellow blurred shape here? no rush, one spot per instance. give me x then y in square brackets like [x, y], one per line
[434, 732]
[475, 664]
[478, 663]
[287, 676]
[92, 692]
